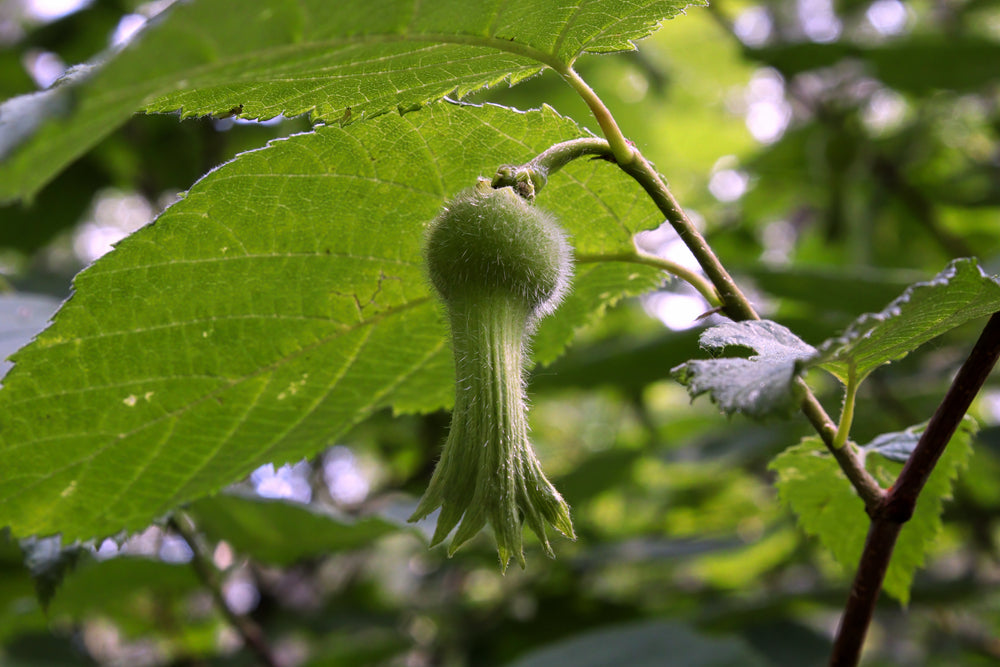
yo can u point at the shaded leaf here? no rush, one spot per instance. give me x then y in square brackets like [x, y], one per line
[29, 228]
[786, 642]
[601, 471]
[49, 563]
[643, 644]
[337, 61]
[860, 290]
[349, 648]
[281, 532]
[813, 486]
[760, 385]
[133, 592]
[20, 612]
[919, 65]
[43, 649]
[896, 446]
[14, 79]
[961, 292]
[279, 303]
[623, 361]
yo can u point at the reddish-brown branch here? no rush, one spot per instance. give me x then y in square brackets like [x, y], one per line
[897, 507]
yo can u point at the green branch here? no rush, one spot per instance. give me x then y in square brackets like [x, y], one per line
[532, 176]
[696, 280]
[847, 457]
[623, 150]
[734, 303]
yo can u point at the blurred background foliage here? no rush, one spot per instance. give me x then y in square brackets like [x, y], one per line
[833, 151]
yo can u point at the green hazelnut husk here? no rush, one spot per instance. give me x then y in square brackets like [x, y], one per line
[492, 241]
[499, 264]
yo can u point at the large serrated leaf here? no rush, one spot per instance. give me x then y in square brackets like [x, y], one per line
[280, 302]
[961, 292]
[334, 60]
[812, 484]
[758, 386]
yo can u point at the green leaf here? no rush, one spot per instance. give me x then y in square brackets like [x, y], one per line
[961, 292]
[760, 385]
[281, 532]
[358, 646]
[921, 531]
[813, 486]
[280, 302]
[337, 61]
[45, 649]
[20, 611]
[642, 644]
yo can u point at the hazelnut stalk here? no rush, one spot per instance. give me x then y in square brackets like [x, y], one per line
[499, 264]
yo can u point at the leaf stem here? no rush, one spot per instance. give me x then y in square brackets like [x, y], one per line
[252, 634]
[847, 413]
[531, 177]
[898, 505]
[696, 280]
[623, 150]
